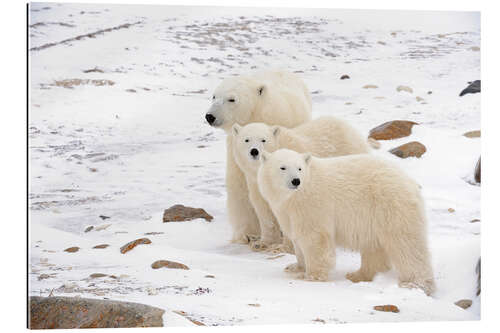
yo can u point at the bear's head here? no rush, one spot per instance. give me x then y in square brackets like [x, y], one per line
[282, 173]
[233, 102]
[249, 143]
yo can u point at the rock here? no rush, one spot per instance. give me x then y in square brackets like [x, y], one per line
[101, 246]
[168, 264]
[344, 77]
[72, 249]
[257, 305]
[97, 275]
[152, 233]
[381, 43]
[179, 213]
[464, 303]
[472, 88]
[429, 92]
[318, 320]
[477, 171]
[392, 130]
[473, 134]
[478, 272]
[404, 88]
[210, 276]
[130, 245]
[474, 221]
[451, 210]
[131, 90]
[370, 86]
[410, 149]
[104, 217]
[474, 48]
[89, 228]
[386, 308]
[419, 99]
[72, 312]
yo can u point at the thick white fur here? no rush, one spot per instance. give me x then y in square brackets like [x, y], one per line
[359, 202]
[274, 98]
[322, 137]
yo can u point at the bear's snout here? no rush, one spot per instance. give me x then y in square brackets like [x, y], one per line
[296, 182]
[254, 152]
[210, 118]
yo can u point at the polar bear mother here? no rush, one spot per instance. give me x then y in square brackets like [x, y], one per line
[271, 97]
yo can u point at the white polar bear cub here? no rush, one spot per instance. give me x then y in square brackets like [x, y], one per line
[271, 97]
[323, 137]
[359, 202]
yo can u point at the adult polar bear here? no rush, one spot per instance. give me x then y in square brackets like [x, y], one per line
[270, 97]
[359, 202]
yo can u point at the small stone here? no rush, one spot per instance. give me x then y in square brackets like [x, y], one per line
[179, 213]
[344, 77]
[419, 99]
[131, 90]
[404, 88]
[43, 277]
[89, 228]
[381, 43]
[168, 264]
[153, 233]
[130, 245]
[72, 249]
[257, 305]
[473, 134]
[386, 308]
[410, 149]
[101, 246]
[464, 303]
[379, 97]
[473, 88]
[474, 48]
[429, 92]
[104, 217]
[392, 130]
[348, 103]
[97, 275]
[475, 220]
[451, 210]
[319, 320]
[370, 86]
[208, 276]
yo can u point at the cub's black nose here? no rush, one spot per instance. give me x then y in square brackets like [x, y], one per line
[295, 182]
[210, 118]
[254, 152]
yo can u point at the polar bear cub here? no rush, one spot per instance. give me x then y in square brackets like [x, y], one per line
[359, 202]
[323, 137]
[272, 97]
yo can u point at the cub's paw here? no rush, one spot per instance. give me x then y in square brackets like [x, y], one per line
[321, 277]
[427, 286]
[280, 248]
[258, 246]
[294, 268]
[358, 277]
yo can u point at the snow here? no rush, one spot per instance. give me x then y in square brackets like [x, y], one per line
[102, 150]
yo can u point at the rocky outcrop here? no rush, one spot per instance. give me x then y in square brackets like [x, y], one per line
[72, 312]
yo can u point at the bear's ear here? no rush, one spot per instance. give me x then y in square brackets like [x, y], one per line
[236, 129]
[307, 158]
[261, 90]
[264, 156]
[276, 130]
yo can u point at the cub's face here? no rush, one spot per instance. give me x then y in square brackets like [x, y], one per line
[233, 103]
[284, 171]
[249, 143]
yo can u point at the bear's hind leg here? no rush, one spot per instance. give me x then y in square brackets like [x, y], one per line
[372, 262]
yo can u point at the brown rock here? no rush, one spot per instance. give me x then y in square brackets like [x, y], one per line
[386, 308]
[168, 264]
[209, 276]
[370, 86]
[475, 221]
[152, 233]
[71, 312]
[130, 245]
[89, 228]
[473, 134]
[392, 130]
[179, 213]
[410, 149]
[404, 88]
[97, 275]
[257, 305]
[344, 77]
[451, 210]
[101, 246]
[72, 249]
[464, 303]
[477, 172]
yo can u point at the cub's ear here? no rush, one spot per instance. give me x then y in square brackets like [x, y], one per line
[264, 156]
[236, 129]
[307, 158]
[276, 130]
[261, 90]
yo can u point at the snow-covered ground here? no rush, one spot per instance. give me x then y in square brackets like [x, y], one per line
[130, 147]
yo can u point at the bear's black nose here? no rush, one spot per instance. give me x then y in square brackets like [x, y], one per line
[254, 152]
[295, 182]
[210, 118]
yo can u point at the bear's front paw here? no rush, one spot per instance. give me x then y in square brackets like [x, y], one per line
[280, 248]
[358, 276]
[294, 268]
[317, 276]
[258, 246]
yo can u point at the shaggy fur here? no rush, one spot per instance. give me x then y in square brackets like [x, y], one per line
[358, 202]
[274, 98]
[323, 137]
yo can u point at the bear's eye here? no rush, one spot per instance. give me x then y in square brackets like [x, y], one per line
[246, 140]
[263, 140]
[213, 97]
[231, 100]
[283, 168]
[300, 169]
